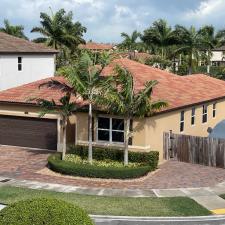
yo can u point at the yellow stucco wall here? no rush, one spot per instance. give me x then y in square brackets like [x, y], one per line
[171, 121]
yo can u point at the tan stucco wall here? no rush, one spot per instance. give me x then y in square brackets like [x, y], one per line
[171, 121]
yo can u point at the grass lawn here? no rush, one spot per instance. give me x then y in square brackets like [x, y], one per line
[121, 206]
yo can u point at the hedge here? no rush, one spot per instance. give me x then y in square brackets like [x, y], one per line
[149, 160]
[44, 211]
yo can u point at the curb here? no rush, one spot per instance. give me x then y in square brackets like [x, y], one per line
[152, 219]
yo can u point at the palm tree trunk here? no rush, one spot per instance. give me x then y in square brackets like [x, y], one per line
[64, 140]
[90, 134]
[126, 141]
[190, 64]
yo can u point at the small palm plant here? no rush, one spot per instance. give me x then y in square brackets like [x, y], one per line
[124, 100]
[64, 110]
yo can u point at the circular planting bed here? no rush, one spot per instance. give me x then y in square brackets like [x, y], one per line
[107, 163]
[44, 211]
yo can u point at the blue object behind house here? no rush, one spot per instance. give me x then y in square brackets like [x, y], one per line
[218, 130]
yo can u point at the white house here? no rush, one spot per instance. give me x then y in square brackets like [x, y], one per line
[218, 56]
[23, 61]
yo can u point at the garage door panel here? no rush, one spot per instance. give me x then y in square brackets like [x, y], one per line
[28, 132]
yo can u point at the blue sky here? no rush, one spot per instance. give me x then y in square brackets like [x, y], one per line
[106, 19]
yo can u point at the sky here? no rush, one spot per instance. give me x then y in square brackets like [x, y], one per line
[106, 19]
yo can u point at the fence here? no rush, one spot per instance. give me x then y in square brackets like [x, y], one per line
[193, 149]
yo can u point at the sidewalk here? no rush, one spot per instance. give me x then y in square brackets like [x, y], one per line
[207, 197]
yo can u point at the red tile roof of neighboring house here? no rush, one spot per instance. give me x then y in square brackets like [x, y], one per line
[96, 46]
[11, 44]
[178, 91]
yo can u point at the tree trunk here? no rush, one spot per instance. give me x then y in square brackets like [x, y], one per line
[64, 140]
[90, 134]
[126, 141]
[190, 64]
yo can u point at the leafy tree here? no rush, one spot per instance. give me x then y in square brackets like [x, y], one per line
[124, 100]
[59, 30]
[160, 35]
[66, 108]
[17, 30]
[130, 41]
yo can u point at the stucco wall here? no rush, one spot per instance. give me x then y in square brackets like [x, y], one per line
[171, 121]
[217, 56]
[34, 67]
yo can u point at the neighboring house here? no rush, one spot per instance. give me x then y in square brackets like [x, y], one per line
[218, 56]
[196, 103]
[22, 61]
[97, 47]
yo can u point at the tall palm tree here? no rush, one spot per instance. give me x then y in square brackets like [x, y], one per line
[161, 35]
[15, 30]
[85, 77]
[124, 100]
[130, 41]
[192, 42]
[64, 110]
[59, 30]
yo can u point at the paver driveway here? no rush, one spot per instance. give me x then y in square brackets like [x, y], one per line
[26, 164]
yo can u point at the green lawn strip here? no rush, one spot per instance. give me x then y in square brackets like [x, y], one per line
[120, 206]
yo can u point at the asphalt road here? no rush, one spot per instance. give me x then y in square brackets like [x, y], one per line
[214, 220]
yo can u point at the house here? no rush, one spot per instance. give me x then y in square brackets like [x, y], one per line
[22, 61]
[97, 47]
[195, 104]
[218, 56]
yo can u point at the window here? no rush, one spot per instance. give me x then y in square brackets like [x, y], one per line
[19, 63]
[111, 130]
[193, 116]
[214, 110]
[204, 114]
[182, 121]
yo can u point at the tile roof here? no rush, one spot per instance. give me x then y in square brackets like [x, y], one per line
[11, 44]
[96, 46]
[178, 91]
[24, 93]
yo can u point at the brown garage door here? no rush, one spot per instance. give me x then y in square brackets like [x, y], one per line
[28, 132]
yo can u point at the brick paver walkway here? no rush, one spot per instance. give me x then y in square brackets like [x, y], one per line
[24, 164]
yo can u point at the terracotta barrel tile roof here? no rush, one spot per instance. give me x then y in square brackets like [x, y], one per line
[11, 44]
[178, 91]
[96, 46]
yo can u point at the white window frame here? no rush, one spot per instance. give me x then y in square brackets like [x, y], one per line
[19, 63]
[204, 113]
[193, 116]
[182, 121]
[214, 110]
[110, 130]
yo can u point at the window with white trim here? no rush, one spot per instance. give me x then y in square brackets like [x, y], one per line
[193, 116]
[182, 121]
[110, 130]
[204, 113]
[20, 63]
[214, 110]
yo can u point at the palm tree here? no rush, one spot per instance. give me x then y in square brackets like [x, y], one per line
[124, 100]
[130, 41]
[17, 30]
[192, 42]
[85, 77]
[65, 110]
[59, 30]
[161, 35]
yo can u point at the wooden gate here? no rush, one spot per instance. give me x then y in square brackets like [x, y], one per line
[193, 149]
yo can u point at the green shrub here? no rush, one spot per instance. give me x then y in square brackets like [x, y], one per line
[150, 158]
[86, 170]
[43, 211]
